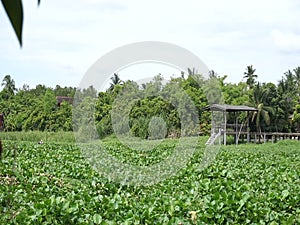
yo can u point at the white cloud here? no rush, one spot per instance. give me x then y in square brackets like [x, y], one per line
[63, 38]
[287, 41]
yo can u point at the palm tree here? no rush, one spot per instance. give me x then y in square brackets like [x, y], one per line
[115, 80]
[250, 76]
[213, 74]
[259, 99]
[192, 72]
[289, 81]
[144, 86]
[8, 85]
[297, 78]
[285, 101]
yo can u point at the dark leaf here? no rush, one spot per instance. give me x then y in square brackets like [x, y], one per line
[39, 1]
[14, 11]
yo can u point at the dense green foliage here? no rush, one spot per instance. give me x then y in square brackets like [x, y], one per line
[246, 184]
[276, 104]
[155, 103]
[35, 109]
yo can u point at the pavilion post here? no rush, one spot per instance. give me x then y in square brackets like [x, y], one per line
[236, 128]
[225, 120]
[248, 128]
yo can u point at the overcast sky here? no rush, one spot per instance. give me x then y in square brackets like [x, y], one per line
[63, 38]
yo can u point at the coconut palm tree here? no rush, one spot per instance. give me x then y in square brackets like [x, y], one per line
[290, 82]
[259, 101]
[213, 74]
[192, 72]
[285, 101]
[8, 85]
[297, 78]
[250, 76]
[115, 80]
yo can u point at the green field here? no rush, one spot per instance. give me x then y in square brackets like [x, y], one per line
[35, 136]
[246, 184]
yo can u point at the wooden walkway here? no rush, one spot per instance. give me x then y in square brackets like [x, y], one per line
[264, 137]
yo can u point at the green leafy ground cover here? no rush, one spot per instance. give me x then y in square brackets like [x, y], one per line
[246, 184]
[35, 136]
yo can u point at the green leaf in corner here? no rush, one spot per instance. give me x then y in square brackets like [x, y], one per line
[14, 11]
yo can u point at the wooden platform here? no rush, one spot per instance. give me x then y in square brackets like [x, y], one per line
[264, 136]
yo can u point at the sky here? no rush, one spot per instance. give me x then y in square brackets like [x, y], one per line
[62, 39]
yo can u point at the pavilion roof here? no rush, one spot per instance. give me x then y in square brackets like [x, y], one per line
[230, 108]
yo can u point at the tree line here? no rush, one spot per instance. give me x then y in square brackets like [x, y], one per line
[154, 109]
[36, 108]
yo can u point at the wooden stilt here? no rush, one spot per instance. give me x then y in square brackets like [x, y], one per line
[225, 130]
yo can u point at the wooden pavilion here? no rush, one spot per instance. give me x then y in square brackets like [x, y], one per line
[221, 127]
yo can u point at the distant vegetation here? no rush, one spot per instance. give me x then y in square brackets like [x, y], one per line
[36, 136]
[37, 109]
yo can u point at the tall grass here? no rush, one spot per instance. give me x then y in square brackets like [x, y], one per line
[35, 136]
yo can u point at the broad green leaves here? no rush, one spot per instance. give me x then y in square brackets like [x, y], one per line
[246, 184]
